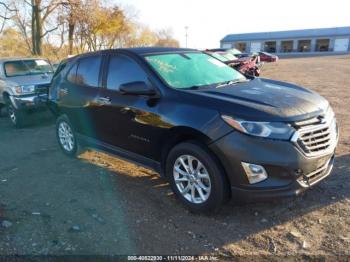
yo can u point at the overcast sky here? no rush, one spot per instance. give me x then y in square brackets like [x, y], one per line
[210, 20]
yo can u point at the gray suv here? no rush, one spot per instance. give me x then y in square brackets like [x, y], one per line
[24, 84]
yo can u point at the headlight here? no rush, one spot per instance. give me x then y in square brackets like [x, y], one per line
[274, 130]
[25, 89]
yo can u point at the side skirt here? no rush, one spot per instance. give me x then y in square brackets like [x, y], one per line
[122, 153]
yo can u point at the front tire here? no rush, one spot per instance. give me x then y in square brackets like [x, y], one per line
[1, 110]
[66, 136]
[196, 177]
[17, 117]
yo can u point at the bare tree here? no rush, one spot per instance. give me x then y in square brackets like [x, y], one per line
[40, 12]
[56, 28]
[165, 38]
[73, 10]
[33, 16]
[6, 13]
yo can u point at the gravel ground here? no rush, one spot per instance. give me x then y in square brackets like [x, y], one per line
[98, 204]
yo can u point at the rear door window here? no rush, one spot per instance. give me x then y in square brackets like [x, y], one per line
[71, 76]
[88, 71]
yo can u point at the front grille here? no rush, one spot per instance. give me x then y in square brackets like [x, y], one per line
[319, 139]
[317, 135]
[42, 89]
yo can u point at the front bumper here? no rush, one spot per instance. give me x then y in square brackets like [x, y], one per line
[289, 171]
[293, 189]
[27, 102]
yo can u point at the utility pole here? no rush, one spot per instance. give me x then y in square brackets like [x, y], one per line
[186, 35]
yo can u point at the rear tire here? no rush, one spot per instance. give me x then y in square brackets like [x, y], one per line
[66, 136]
[196, 177]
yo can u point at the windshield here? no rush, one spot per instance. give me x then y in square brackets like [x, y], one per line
[228, 56]
[188, 70]
[235, 51]
[219, 56]
[27, 67]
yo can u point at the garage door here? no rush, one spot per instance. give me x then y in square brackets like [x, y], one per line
[341, 44]
[255, 47]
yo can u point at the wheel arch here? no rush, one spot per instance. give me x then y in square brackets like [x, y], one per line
[5, 96]
[55, 110]
[182, 134]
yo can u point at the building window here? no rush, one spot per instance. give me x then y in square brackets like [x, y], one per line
[304, 45]
[270, 47]
[226, 45]
[287, 46]
[322, 45]
[241, 46]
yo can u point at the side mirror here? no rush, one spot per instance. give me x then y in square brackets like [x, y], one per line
[137, 88]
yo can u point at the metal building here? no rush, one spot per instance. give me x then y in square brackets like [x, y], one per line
[335, 40]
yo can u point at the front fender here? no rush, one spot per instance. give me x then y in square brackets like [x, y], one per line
[8, 87]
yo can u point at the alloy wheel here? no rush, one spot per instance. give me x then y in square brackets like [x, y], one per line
[66, 136]
[192, 179]
[12, 114]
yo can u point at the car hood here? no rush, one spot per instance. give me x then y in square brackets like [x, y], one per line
[38, 79]
[266, 100]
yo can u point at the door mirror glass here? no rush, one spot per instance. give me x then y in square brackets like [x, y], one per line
[137, 88]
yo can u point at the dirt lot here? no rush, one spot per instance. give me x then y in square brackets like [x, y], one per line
[97, 204]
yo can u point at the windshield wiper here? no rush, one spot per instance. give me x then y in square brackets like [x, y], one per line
[231, 82]
[196, 87]
[193, 87]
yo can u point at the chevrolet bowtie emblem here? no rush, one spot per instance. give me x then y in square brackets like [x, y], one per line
[322, 119]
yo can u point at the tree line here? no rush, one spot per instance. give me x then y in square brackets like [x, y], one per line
[58, 28]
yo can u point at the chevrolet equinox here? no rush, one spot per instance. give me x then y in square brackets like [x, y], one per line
[211, 131]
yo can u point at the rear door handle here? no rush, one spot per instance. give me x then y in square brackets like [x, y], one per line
[104, 100]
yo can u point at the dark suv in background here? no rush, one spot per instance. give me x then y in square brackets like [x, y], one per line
[212, 132]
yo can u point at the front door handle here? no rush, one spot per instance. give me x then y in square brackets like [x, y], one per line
[64, 91]
[104, 100]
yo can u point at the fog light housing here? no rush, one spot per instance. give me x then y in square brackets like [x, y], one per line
[255, 173]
